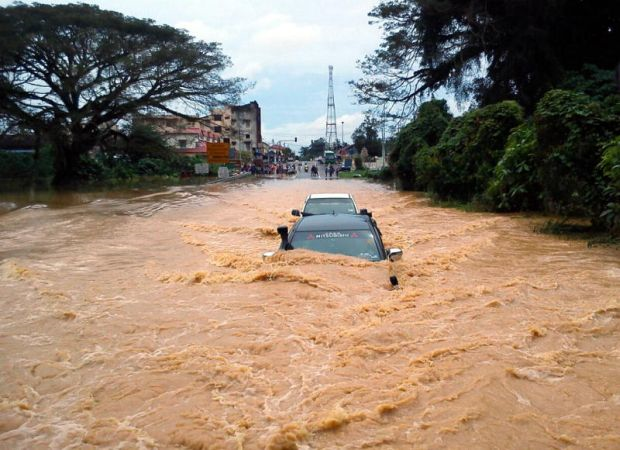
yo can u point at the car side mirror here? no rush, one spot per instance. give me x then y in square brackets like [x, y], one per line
[296, 212]
[365, 212]
[268, 255]
[394, 254]
[283, 232]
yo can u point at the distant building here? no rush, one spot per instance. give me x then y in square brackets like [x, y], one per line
[347, 152]
[187, 137]
[240, 126]
[276, 153]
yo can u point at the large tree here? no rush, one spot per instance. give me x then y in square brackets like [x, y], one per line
[367, 135]
[317, 148]
[72, 72]
[486, 50]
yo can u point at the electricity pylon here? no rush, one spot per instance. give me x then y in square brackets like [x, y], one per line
[331, 131]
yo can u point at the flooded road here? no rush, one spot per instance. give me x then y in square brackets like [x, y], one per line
[150, 321]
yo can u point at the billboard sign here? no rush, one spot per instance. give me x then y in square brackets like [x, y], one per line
[218, 152]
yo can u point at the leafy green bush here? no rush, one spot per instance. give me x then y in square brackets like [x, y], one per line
[26, 165]
[16, 165]
[597, 83]
[469, 149]
[515, 185]
[358, 162]
[571, 129]
[426, 167]
[431, 120]
[610, 165]
[383, 174]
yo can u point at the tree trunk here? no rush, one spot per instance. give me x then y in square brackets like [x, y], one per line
[68, 151]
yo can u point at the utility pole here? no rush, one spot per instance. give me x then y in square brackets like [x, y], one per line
[331, 131]
[342, 132]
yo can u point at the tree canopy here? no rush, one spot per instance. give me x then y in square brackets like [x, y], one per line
[367, 135]
[485, 50]
[71, 72]
[316, 148]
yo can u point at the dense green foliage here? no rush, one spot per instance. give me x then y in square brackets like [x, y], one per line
[515, 184]
[366, 135]
[486, 51]
[26, 166]
[462, 162]
[571, 129]
[564, 160]
[104, 167]
[424, 131]
[119, 168]
[543, 81]
[71, 72]
[610, 165]
[314, 150]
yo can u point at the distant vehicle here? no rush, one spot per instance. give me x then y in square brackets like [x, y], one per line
[346, 165]
[319, 160]
[291, 169]
[344, 234]
[330, 157]
[327, 204]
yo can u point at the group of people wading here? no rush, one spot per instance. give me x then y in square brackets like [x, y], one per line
[329, 171]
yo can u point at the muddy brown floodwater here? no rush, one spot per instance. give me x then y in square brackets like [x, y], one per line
[150, 321]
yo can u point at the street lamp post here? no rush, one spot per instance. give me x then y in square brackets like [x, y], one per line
[342, 132]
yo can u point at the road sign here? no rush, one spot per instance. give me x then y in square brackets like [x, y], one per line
[218, 152]
[201, 169]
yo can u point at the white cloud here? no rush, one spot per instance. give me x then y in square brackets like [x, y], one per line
[273, 38]
[287, 36]
[264, 84]
[314, 129]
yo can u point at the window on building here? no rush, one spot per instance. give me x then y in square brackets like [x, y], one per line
[217, 117]
[217, 129]
[227, 140]
[182, 143]
[247, 136]
[247, 145]
[234, 142]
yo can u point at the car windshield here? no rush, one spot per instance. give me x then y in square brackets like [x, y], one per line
[358, 243]
[330, 206]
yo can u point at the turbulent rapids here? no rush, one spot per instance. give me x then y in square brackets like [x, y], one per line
[149, 320]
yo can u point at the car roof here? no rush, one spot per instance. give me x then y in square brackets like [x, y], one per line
[323, 222]
[312, 196]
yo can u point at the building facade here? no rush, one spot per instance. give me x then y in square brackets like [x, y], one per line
[187, 137]
[238, 125]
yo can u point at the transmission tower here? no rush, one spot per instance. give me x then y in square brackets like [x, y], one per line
[331, 131]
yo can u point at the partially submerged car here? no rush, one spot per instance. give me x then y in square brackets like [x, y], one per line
[344, 234]
[327, 204]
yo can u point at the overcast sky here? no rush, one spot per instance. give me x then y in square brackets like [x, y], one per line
[284, 46]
